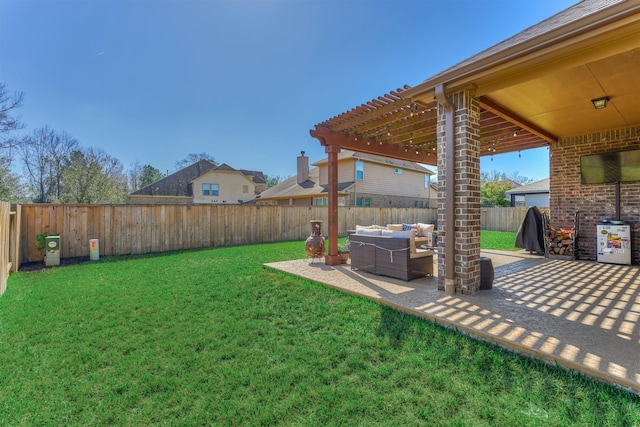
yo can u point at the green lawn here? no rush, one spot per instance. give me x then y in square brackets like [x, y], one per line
[500, 240]
[211, 337]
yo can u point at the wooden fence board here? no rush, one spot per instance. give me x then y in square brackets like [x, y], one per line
[5, 225]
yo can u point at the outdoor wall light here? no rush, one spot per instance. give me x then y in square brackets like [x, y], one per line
[600, 103]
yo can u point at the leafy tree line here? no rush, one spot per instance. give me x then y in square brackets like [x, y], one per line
[57, 169]
[494, 185]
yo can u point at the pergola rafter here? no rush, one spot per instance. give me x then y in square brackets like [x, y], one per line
[396, 126]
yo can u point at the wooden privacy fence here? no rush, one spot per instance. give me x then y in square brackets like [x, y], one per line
[504, 219]
[9, 242]
[135, 229]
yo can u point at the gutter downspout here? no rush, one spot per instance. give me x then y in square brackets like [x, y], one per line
[450, 188]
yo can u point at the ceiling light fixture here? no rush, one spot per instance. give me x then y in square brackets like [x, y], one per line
[600, 103]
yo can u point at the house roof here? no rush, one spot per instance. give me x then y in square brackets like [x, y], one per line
[404, 164]
[541, 186]
[289, 188]
[177, 184]
[257, 176]
[532, 89]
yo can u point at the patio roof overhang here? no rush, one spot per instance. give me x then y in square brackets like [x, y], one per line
[532, 89]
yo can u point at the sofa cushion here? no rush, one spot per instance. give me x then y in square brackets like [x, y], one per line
[395, 227]
[421, 253]
[368, 231]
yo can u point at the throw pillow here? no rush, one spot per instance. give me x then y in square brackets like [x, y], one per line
[426, 230]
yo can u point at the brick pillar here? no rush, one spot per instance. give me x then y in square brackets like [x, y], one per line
[466, 251]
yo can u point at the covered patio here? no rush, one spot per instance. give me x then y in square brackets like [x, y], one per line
[579, 314]
[544, 87]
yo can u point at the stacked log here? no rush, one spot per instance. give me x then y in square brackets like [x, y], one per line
[560, 241]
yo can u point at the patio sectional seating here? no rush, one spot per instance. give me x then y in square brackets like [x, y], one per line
[390, 253]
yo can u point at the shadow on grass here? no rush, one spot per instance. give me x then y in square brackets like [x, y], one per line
[392, 325]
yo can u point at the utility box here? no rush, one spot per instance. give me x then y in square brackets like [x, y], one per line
[52, 254]
[94, 249]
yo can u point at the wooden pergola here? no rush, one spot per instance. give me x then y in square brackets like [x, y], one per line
[526, 92]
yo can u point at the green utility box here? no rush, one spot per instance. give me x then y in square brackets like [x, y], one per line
[52, 250]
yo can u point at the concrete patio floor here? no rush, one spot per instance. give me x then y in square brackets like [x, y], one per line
[581, 314]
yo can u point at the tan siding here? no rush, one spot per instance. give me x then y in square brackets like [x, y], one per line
[230, 184]
[347, 170]
[381, 179]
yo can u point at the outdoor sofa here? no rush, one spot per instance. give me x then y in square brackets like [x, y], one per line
[390, 253]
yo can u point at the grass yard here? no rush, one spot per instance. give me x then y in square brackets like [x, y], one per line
[211, 337]
[498, 240]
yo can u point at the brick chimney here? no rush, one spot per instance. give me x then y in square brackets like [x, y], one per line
[303, 168]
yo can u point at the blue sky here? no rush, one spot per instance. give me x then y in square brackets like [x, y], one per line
[154, 80]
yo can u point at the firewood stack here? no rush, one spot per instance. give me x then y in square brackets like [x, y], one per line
[559, 241]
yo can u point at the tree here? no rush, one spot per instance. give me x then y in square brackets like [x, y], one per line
[8, 122]
[193, 158]
[134, 177]
[11, 188]
[493, 193]
[149, 175]
[494, 175]
[44, 154]
[92, 176]
[273, 180]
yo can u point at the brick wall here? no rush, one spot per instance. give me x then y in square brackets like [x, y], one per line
[593, 202]
[390, 201]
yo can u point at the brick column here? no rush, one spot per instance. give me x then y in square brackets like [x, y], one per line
[466, 251]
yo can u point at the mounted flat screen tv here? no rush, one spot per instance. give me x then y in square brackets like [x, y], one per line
[616, 166]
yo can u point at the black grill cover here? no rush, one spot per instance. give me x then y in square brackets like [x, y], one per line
[531, 232]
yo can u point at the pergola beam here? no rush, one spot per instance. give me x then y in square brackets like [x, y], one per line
[401, 151]
[500, 111]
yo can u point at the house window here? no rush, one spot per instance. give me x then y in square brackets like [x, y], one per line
[215, 190]
[362, 201]
[397, 171]
[206, 189]
[359, 170]
[324, 201]
[245, 189]
[427, 180]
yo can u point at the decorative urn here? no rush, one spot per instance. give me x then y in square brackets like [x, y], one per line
[315, 242]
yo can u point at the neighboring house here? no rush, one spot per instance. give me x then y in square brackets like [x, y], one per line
[534, 194]
[205, 183]
[363, 180]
